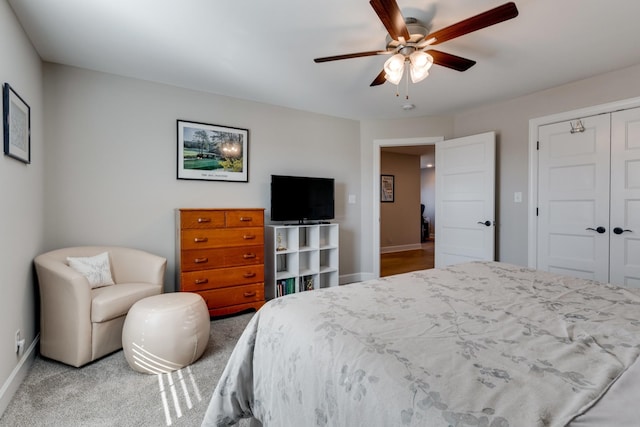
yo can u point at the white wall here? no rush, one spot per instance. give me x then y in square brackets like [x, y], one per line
[21, 208]
[510, 120]
[111, 161]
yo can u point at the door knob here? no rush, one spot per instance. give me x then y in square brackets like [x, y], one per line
[487, 223]
[619, 230]
[599, 229]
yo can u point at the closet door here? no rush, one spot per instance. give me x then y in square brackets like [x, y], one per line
[573, 198]
[625, 198]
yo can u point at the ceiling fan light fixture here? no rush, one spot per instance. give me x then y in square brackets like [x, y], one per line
[418, 75]
[393, 68]
[420, 63]
[420, 59]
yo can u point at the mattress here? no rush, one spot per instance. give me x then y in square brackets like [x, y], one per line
[476, 344]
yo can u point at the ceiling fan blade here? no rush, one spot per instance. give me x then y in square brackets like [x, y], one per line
[448, 60]
[391, 17]
[379, 79]
[486, 19]
[351, 55]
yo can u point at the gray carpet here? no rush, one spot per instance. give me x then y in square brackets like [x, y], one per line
[109, 393]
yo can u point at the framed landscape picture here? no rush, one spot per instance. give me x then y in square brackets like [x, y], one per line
[212, 152]
[16, 119]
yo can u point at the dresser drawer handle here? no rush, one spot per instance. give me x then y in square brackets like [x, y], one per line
[201, 281]
[249, 236]
[246, 218]
[201, 239]
[201, 260]
[249, 275]
[250, 294]
[201, 220]
[248, 256]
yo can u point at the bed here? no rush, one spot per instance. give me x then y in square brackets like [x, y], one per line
[476, 344]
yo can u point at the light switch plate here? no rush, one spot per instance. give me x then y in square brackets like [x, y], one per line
[517, 197]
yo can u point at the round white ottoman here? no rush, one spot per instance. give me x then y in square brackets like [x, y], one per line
[165, 332]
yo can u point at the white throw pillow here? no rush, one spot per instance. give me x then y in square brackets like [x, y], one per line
[96, 269]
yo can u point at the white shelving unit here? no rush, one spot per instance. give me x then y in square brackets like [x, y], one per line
[300, 257]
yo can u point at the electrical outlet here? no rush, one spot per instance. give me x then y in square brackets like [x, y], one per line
[19, 343]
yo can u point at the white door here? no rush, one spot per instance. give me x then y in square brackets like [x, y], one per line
[465, 199]
[573, 198]
[625, 198]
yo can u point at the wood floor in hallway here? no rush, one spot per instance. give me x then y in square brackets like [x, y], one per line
[406, 261]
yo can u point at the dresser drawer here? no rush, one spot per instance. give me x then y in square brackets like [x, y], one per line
[221, 237]
[200, 259]
[246, 218]
[218, 298]
[222, 277]
[202, 219]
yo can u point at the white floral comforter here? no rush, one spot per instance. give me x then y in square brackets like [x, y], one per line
[478, 344]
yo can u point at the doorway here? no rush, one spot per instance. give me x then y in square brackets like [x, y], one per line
[465, 198]
[378, 145]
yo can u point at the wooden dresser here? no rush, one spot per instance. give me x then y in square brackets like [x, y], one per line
[220, 255]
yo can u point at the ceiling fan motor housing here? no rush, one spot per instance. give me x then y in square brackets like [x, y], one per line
[417, 31]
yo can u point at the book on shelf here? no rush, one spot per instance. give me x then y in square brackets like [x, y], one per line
[285, 287]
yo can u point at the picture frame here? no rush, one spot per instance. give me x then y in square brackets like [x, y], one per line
[211, 152]
[387, 190]
[16, 120]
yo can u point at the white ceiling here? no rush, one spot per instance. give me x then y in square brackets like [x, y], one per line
[263, 50]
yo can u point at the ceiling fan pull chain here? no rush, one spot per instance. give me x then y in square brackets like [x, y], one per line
[406, 81]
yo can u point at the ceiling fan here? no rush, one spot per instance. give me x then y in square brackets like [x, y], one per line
[410, 42]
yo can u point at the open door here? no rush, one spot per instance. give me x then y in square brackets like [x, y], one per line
[465, 199]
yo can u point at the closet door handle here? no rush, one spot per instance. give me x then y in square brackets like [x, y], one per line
[619, 230]
[599, 229]
[487, 223]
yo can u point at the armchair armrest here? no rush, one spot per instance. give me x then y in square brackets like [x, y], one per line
[133, 265]
[65, 310]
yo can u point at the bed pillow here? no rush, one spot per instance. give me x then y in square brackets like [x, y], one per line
[95, 268]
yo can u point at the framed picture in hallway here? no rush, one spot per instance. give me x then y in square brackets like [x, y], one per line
[212, 153]
[387, 188]
[16, 121]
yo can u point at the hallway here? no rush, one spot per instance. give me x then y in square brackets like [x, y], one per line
[403, 262]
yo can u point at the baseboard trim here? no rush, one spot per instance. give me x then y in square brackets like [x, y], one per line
[400, 248]
[355, 277]
[18, 375]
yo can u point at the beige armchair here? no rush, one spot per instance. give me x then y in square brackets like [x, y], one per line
[78, 323]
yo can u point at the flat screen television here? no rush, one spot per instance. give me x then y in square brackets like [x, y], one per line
[301, 198]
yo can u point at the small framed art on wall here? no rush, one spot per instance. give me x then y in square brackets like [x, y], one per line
[16, 119]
